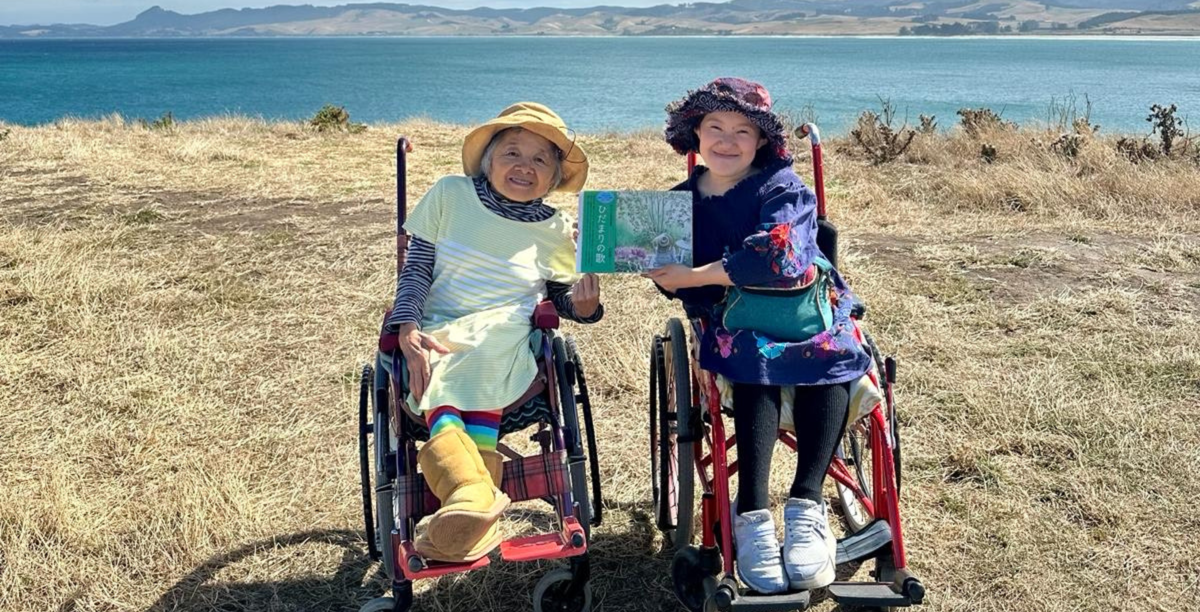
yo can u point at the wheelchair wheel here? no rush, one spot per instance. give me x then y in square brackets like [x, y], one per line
[671, 418]
[364, 460]
[566, 377]
[664, 508]
[855, 452]
[379, 604]
[400, 601]
[552, 593]
[691, 578]
[384, 459]
[584, 401]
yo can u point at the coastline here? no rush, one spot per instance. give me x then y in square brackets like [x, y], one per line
[1021, 36]
[373, 129]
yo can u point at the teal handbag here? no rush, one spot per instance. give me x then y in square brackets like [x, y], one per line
[790, 314]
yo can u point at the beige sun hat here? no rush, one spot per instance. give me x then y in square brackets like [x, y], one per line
[541, 121]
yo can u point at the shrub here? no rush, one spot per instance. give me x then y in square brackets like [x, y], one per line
[1173, 140]
[1137, 150]
[166, 122]
[1068, 145]
[876, 136]
[335, 118]
[987, 153]
[4, 134]
[1064, 115]
[928, 124]
[1083, 126]
[1166, 125]
[978, 121]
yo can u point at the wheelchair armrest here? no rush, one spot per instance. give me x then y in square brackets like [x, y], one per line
[545, 316]
[388, 341]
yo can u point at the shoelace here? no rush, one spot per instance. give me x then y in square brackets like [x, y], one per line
[802, 528]
[762, 542]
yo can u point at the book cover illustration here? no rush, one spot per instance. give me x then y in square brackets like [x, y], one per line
[633, 231]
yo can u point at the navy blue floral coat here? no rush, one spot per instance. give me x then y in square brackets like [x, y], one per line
[764, 232]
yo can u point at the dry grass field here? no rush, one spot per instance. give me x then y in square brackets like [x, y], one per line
[184, 314]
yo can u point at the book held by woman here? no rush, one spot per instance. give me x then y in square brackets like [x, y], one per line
[633, 231]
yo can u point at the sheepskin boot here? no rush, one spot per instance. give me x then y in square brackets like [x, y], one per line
[465, 527]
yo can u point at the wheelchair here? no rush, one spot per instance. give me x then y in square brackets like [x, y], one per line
[565, 473]
[689, 442]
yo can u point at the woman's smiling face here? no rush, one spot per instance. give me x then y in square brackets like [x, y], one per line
[523, 165]
[728, 142]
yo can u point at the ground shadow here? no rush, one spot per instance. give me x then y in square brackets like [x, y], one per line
[202, 589]
[629, 572]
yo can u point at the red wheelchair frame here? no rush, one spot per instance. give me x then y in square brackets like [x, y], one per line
[690, 438]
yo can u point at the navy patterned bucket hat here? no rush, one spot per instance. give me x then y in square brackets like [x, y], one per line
[727, 94]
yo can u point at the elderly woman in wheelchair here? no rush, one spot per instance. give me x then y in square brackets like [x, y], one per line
[485, 250]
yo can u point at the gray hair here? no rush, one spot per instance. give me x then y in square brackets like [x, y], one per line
[485, 163]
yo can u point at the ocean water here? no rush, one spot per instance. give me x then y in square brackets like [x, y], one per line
[595, 83]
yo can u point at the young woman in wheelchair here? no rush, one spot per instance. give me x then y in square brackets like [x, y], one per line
[485, 249]
[755, 228]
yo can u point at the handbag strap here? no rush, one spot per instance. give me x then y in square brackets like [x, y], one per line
[823, 264]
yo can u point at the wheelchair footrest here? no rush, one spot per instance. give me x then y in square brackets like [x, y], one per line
[867, 594]
[783, 602]
[865, 543]
[416, 567]
[569, 543]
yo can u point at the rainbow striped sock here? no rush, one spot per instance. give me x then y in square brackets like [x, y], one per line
[442, 418]
[483, 427]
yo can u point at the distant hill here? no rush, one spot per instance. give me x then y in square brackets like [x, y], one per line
[738, 17]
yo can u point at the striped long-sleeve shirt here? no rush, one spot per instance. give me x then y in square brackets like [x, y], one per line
[412, 288]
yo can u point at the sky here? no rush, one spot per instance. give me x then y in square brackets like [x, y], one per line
[109, 12]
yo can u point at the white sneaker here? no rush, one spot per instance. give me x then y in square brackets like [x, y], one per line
[757, 546]
[809, 548]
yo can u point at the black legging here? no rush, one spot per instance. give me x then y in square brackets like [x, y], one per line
[819, 414]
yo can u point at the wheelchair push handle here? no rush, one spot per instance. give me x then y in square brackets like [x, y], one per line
[810, 131]
[403, 148]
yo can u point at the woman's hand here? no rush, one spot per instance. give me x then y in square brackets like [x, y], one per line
[672, 277]
[585, 295]
[416, 345]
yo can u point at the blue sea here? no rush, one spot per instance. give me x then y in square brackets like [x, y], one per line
[595, 83]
